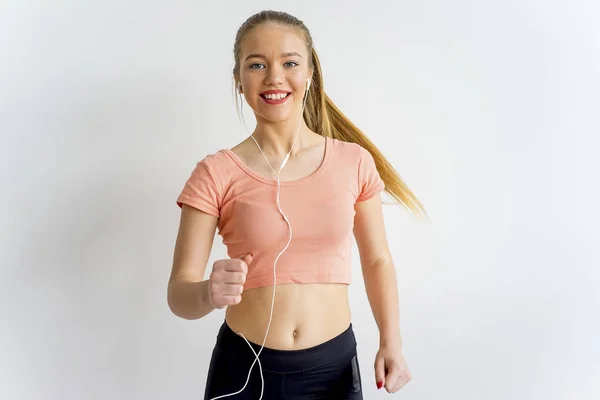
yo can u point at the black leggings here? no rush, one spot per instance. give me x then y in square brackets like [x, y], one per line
[327, 371]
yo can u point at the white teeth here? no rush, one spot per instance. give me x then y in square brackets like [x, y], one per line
[277, 96]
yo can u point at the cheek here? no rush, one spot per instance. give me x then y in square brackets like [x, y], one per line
[248, 85]
[298, 81]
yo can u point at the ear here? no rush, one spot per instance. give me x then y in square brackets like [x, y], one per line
[238, 84]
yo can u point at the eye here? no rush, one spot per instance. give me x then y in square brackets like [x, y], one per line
[290, 63]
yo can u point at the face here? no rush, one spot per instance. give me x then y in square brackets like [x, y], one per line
[274, 61]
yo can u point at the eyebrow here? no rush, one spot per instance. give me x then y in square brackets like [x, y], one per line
[283, 55]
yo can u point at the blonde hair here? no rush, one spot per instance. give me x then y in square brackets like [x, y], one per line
[321, 114]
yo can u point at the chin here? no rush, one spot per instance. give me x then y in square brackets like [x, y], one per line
[275, 117]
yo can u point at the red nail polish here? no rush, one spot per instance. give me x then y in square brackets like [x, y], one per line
[379, 385]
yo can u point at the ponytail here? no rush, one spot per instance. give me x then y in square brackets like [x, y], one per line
[322, 115]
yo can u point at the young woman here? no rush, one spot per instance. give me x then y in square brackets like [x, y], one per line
[287, 201]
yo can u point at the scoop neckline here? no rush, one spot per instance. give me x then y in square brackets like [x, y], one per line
[315, 174]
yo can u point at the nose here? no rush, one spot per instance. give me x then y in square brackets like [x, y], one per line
[274, 76]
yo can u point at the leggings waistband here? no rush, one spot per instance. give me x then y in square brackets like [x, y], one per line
[339, 347]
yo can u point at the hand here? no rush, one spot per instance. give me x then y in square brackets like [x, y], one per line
[391, 370]
[226, 282]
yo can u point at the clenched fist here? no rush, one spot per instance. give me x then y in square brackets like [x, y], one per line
[226, 282]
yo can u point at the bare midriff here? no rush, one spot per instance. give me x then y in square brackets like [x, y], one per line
[304, 315]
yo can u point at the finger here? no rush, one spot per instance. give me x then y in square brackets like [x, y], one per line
[379, 372]
[232, 290]
[237, 265]
[402, 380]
[247, 258]
[391, 379]
[231, 300]
[235, 278]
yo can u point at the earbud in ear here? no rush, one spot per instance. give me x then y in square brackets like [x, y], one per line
[308, 84]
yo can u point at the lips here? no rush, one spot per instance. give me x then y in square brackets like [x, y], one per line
[275, 101]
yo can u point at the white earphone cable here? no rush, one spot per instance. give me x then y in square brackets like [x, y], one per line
[285, 159]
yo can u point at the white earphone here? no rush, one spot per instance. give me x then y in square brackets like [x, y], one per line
[285, 218]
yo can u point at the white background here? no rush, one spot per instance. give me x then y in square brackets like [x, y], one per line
[489, 110]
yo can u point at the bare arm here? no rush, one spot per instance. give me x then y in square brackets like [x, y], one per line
[187, 293]
[378, 269]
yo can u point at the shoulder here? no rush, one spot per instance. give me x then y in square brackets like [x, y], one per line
[346, 148]
[212, 170]
[350, 152]
[217, 163]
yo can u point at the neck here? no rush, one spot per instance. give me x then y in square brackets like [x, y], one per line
[278, 138]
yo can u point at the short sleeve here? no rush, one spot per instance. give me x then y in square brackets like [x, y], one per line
[201, 191]
[369, 181]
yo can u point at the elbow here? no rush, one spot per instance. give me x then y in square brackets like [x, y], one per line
[183, 300]
[176, 305]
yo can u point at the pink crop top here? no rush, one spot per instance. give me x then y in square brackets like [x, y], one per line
[320, 208]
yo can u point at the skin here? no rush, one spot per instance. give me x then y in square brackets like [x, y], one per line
[299, 318]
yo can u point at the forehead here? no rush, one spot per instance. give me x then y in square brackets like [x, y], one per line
[273, 40]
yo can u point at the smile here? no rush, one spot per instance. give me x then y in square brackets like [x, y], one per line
[273, 99]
